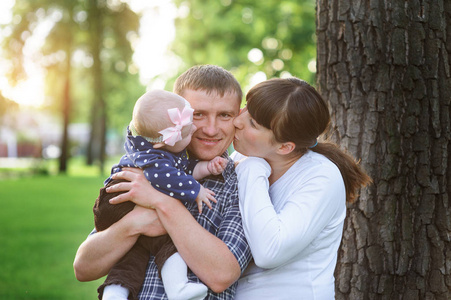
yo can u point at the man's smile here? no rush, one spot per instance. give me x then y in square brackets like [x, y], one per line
[208, 141]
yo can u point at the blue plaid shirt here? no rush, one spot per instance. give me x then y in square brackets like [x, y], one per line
[223, 220]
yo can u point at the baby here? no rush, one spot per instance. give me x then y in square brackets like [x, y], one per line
[158, 134]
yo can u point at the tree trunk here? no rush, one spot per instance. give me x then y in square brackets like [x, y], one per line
[66, 117]
[384, 67]
[97, 142]
[66, 105]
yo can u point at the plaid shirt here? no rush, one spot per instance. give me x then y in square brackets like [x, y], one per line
[223, 220]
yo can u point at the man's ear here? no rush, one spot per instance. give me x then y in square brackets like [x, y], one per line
[286, 148]
[158, 145]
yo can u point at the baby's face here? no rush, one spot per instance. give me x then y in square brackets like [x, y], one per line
[187, 133]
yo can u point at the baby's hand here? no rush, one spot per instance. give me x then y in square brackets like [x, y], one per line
[205, 196]
[217, 165]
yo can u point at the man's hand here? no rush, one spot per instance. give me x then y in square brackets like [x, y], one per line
[137, 189]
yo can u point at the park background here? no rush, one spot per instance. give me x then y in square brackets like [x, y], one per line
[71, 70]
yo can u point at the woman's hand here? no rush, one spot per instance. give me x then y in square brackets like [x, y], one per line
[137, 190]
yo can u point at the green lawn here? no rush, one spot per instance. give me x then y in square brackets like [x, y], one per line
[43, 220]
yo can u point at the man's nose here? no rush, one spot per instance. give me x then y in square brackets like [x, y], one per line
[211, 127]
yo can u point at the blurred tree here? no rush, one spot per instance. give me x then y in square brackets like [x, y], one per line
[100, 32]
[29, 15]
[274, 37]
[111, 27]
[384, 66]
[62, 37]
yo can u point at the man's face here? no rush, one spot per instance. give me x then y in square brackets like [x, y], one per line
[213, 117]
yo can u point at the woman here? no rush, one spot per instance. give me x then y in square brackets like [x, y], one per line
[292, 191]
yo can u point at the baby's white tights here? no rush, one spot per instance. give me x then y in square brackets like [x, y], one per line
[175, 281]
[115, 292]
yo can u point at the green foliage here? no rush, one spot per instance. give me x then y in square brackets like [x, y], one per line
[43, 220]
[127, 90]
[87, 54]
[72, 33]
[224, 32]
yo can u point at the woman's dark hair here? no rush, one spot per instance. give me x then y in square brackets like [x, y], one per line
[296, 112]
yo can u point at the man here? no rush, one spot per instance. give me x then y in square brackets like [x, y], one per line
[213, 245]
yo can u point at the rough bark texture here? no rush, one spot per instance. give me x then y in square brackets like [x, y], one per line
[384, 67]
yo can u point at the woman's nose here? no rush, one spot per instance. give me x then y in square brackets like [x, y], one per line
[237, 121]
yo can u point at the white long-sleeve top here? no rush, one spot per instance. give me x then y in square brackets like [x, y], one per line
[294, 228]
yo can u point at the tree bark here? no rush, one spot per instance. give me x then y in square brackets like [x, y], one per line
[384, 67]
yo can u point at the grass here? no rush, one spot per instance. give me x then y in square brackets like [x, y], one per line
[43, 220]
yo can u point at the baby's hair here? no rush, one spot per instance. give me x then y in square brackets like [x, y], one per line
[150, 113]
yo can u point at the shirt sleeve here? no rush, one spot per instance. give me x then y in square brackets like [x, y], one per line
[276, 237]
[228, 221]
[232, 234]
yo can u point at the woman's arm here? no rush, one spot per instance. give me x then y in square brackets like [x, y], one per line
[277, 236]
[206, 255]
[100, 251]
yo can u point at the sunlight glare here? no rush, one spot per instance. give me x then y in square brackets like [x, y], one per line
[156, 63]
[27, 93]
[255, 55]
[257, 78]
[157, 31]
[5, 11]
[312, 66]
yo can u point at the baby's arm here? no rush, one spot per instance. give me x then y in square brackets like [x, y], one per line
[203, 169]
[213, 167]
[205, 196]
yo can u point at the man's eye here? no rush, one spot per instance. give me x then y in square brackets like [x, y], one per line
[198, 115]
[226, 116]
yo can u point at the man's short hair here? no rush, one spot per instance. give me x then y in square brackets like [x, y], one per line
[209, 78]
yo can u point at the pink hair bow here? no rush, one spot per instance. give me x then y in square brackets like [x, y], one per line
[172, 135]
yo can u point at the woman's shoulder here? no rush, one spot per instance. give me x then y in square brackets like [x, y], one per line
[316, 169]
[313, 163]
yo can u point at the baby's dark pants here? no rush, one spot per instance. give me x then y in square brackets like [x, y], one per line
[130, 271]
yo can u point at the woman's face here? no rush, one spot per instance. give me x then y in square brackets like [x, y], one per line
[251, 138]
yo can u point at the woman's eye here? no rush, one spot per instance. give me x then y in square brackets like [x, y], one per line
[252, 123]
